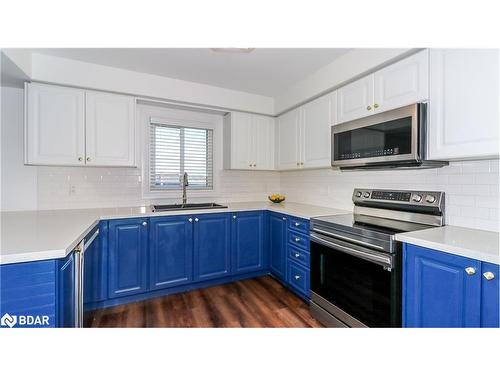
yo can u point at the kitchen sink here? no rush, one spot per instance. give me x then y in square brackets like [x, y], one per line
[187, 206]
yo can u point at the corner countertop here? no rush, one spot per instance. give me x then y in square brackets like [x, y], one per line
[51, 234]
[471, 243]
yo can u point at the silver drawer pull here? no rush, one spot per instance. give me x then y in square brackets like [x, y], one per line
[489, 275]
[297, 239]
[297, 255]
[470, 271]
[297, 224]
[297, 277]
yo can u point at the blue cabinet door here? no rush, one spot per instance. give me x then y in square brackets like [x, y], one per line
[277, 245]
[29, 288]
[171, 251]
[439, 292]
[212, 246]
[128, 257]
[66, 292]
[247, 242]
[490, 295]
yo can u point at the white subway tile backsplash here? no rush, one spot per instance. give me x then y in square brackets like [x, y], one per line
[471, 188]
[109, 187]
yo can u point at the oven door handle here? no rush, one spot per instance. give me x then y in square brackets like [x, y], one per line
[383, 260]
[348, 239]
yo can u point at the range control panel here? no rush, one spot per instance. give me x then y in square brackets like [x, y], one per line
[420, 198]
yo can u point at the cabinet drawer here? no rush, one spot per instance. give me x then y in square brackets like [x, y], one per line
[298, 239]
[301, 225]
[298, 277]
[298, 255]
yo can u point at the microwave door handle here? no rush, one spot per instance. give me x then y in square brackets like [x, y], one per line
[374, 258]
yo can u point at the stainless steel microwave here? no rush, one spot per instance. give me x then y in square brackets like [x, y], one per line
[392, 139]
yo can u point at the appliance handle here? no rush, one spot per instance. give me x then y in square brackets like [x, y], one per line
[90, 240]
[383, 260]
[79, 264]
[348, 239]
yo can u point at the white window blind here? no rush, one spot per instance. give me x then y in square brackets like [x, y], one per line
[178, 149]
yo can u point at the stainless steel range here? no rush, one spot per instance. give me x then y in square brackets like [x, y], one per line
[355, 261]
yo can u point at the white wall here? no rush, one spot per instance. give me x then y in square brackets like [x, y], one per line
[81, 74]
[471, 188]
[346, 68]
[19, 182]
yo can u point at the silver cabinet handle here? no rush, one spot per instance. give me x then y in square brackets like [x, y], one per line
[284, 218]
[88, 158]
[196, 219]
[144, 223]
[470, 271]
[297, 239]
[234, 216]
[297, 277]
[190, 219]
[80, 158]
[297, 224]
[297, 255]
[489, 275]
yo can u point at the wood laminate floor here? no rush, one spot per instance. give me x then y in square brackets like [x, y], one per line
[259, 302]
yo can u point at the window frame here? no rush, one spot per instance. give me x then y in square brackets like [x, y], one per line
[181, 118]
[209, 138]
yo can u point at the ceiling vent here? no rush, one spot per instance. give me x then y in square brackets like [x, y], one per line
[232, 50]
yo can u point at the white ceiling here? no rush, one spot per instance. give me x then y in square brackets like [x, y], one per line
[264, 71]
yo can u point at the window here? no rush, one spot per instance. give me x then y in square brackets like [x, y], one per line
[178, 149]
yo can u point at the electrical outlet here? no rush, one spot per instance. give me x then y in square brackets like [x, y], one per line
[72, 189]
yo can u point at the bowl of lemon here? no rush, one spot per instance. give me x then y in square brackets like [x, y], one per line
[276, 198]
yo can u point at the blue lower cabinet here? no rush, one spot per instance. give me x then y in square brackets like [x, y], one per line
[440, 289]
[247, 242]
[277, 245]
[66, 296]
[29, 294]
[489, 295]
[212, 246]
[170, 251]
[298, 277]
[128, 257]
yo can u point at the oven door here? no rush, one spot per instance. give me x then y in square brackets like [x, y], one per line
[357, 285]
[384, 138]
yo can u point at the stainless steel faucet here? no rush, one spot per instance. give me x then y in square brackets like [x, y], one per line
[185, 183]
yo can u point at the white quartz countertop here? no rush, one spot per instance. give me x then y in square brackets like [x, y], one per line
[41, 235]
[471, 243]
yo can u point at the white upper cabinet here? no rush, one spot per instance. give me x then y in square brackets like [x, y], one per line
[65, 126]
[304, 134]
[263, 142]
[403, 83]
[287, 140]
[464, 104]
[110, 131]
[54, 125]
[355, 100]
[314, 139]
[248, 141]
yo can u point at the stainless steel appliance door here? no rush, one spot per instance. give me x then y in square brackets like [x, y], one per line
[363, 284]
[391, 136]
